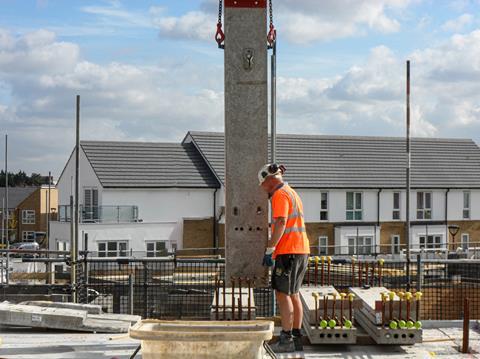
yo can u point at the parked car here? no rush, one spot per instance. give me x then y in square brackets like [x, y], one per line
[25, 246]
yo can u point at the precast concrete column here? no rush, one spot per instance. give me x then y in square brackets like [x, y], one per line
[246, 137]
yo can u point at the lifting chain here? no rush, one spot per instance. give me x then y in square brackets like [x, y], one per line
[272, 32]
[219, 35]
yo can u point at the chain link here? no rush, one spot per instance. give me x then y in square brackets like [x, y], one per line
[270, 9]
[220, 7]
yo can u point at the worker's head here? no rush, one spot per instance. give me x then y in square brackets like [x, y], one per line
[270, 176]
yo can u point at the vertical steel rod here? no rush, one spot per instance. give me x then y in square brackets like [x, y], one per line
[233, 298]
[224, 301]
[217, 295]
[249, 299]
[7, 237]
[240, 298]
[407, 229]
[466, 325]
[77, 172]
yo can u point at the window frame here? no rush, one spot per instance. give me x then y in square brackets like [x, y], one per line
[424, 209]
[27, 216]
[396, 247]
[322, 248]
[324, 210]
[462, 242]
[354, 209]
[108, 249]
[434, 244]
[156, 252]
[363, 248]
[25, 237]
[467, 209]
[398, 209]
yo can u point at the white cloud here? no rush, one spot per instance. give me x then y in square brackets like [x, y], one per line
[194, 25]
[369, 98]
[300, 21]
[119, 101]
[458, 24]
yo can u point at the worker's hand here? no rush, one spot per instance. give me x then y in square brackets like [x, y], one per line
[267, 258]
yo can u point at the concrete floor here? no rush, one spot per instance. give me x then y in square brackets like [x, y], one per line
[29, 343]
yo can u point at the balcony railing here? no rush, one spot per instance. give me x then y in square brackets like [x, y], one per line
[100, 214]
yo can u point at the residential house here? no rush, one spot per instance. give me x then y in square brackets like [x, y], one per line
[15, 196]
[33, 214]
[135, 197]
[144, 196]
[353, 189]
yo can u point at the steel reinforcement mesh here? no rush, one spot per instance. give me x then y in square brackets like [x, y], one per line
[184, 288]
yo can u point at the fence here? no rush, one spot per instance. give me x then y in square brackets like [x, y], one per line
[182, 288]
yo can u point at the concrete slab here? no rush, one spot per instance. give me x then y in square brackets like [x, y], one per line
[63, 318]
[89, 308]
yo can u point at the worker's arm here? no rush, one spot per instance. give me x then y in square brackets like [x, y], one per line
[279, 227]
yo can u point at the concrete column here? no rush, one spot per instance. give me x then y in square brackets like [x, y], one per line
[246, 136]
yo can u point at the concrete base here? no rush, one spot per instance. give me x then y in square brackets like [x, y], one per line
[202, 340]
[63, 318]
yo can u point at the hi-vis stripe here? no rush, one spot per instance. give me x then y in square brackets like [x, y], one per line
[295, 214]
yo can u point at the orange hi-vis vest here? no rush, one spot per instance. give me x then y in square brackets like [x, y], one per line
[286, 203]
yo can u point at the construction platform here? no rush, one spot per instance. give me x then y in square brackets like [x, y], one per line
[23, 343]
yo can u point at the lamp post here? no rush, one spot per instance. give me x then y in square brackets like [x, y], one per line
[453, 229]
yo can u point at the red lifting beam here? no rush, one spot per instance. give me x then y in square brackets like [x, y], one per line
[246, 3]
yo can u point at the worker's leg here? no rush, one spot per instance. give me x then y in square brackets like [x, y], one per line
[297, 311]
[281, 284]
[286, 310]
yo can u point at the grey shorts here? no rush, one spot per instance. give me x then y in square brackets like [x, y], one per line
[288, 272]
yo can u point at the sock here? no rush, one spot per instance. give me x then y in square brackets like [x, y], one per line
[287, 333]
[296, 332]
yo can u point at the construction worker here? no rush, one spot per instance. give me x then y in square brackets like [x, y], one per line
[287, 250]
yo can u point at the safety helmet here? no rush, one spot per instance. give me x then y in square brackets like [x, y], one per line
[270, 169]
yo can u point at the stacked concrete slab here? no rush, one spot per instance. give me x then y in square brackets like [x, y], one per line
[66, 316]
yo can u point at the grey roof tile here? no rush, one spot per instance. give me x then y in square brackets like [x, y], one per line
[16, 195]
[361, 162]
[147, 164]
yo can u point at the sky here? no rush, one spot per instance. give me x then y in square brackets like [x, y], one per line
[151, 71]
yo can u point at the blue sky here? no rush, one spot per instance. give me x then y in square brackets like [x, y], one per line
[150, 71]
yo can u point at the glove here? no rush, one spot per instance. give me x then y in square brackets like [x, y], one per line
[267, 258]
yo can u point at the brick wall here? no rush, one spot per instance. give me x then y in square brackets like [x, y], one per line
[387, 230]
[315, 230]
[198, 233]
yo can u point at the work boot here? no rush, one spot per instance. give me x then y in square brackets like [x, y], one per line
[285, 343]
[297, 340]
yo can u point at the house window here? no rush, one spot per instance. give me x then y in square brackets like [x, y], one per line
[396, 206]
[465, 241]
[90, 205]
[28, 236]
[430, 242]
[324, 206]
[156, 249]
[362, 246]
[323, 245]
[354, 206]
[424, 205]
[28, 216]
[466, 205]
[112, 249]
[395, 244]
